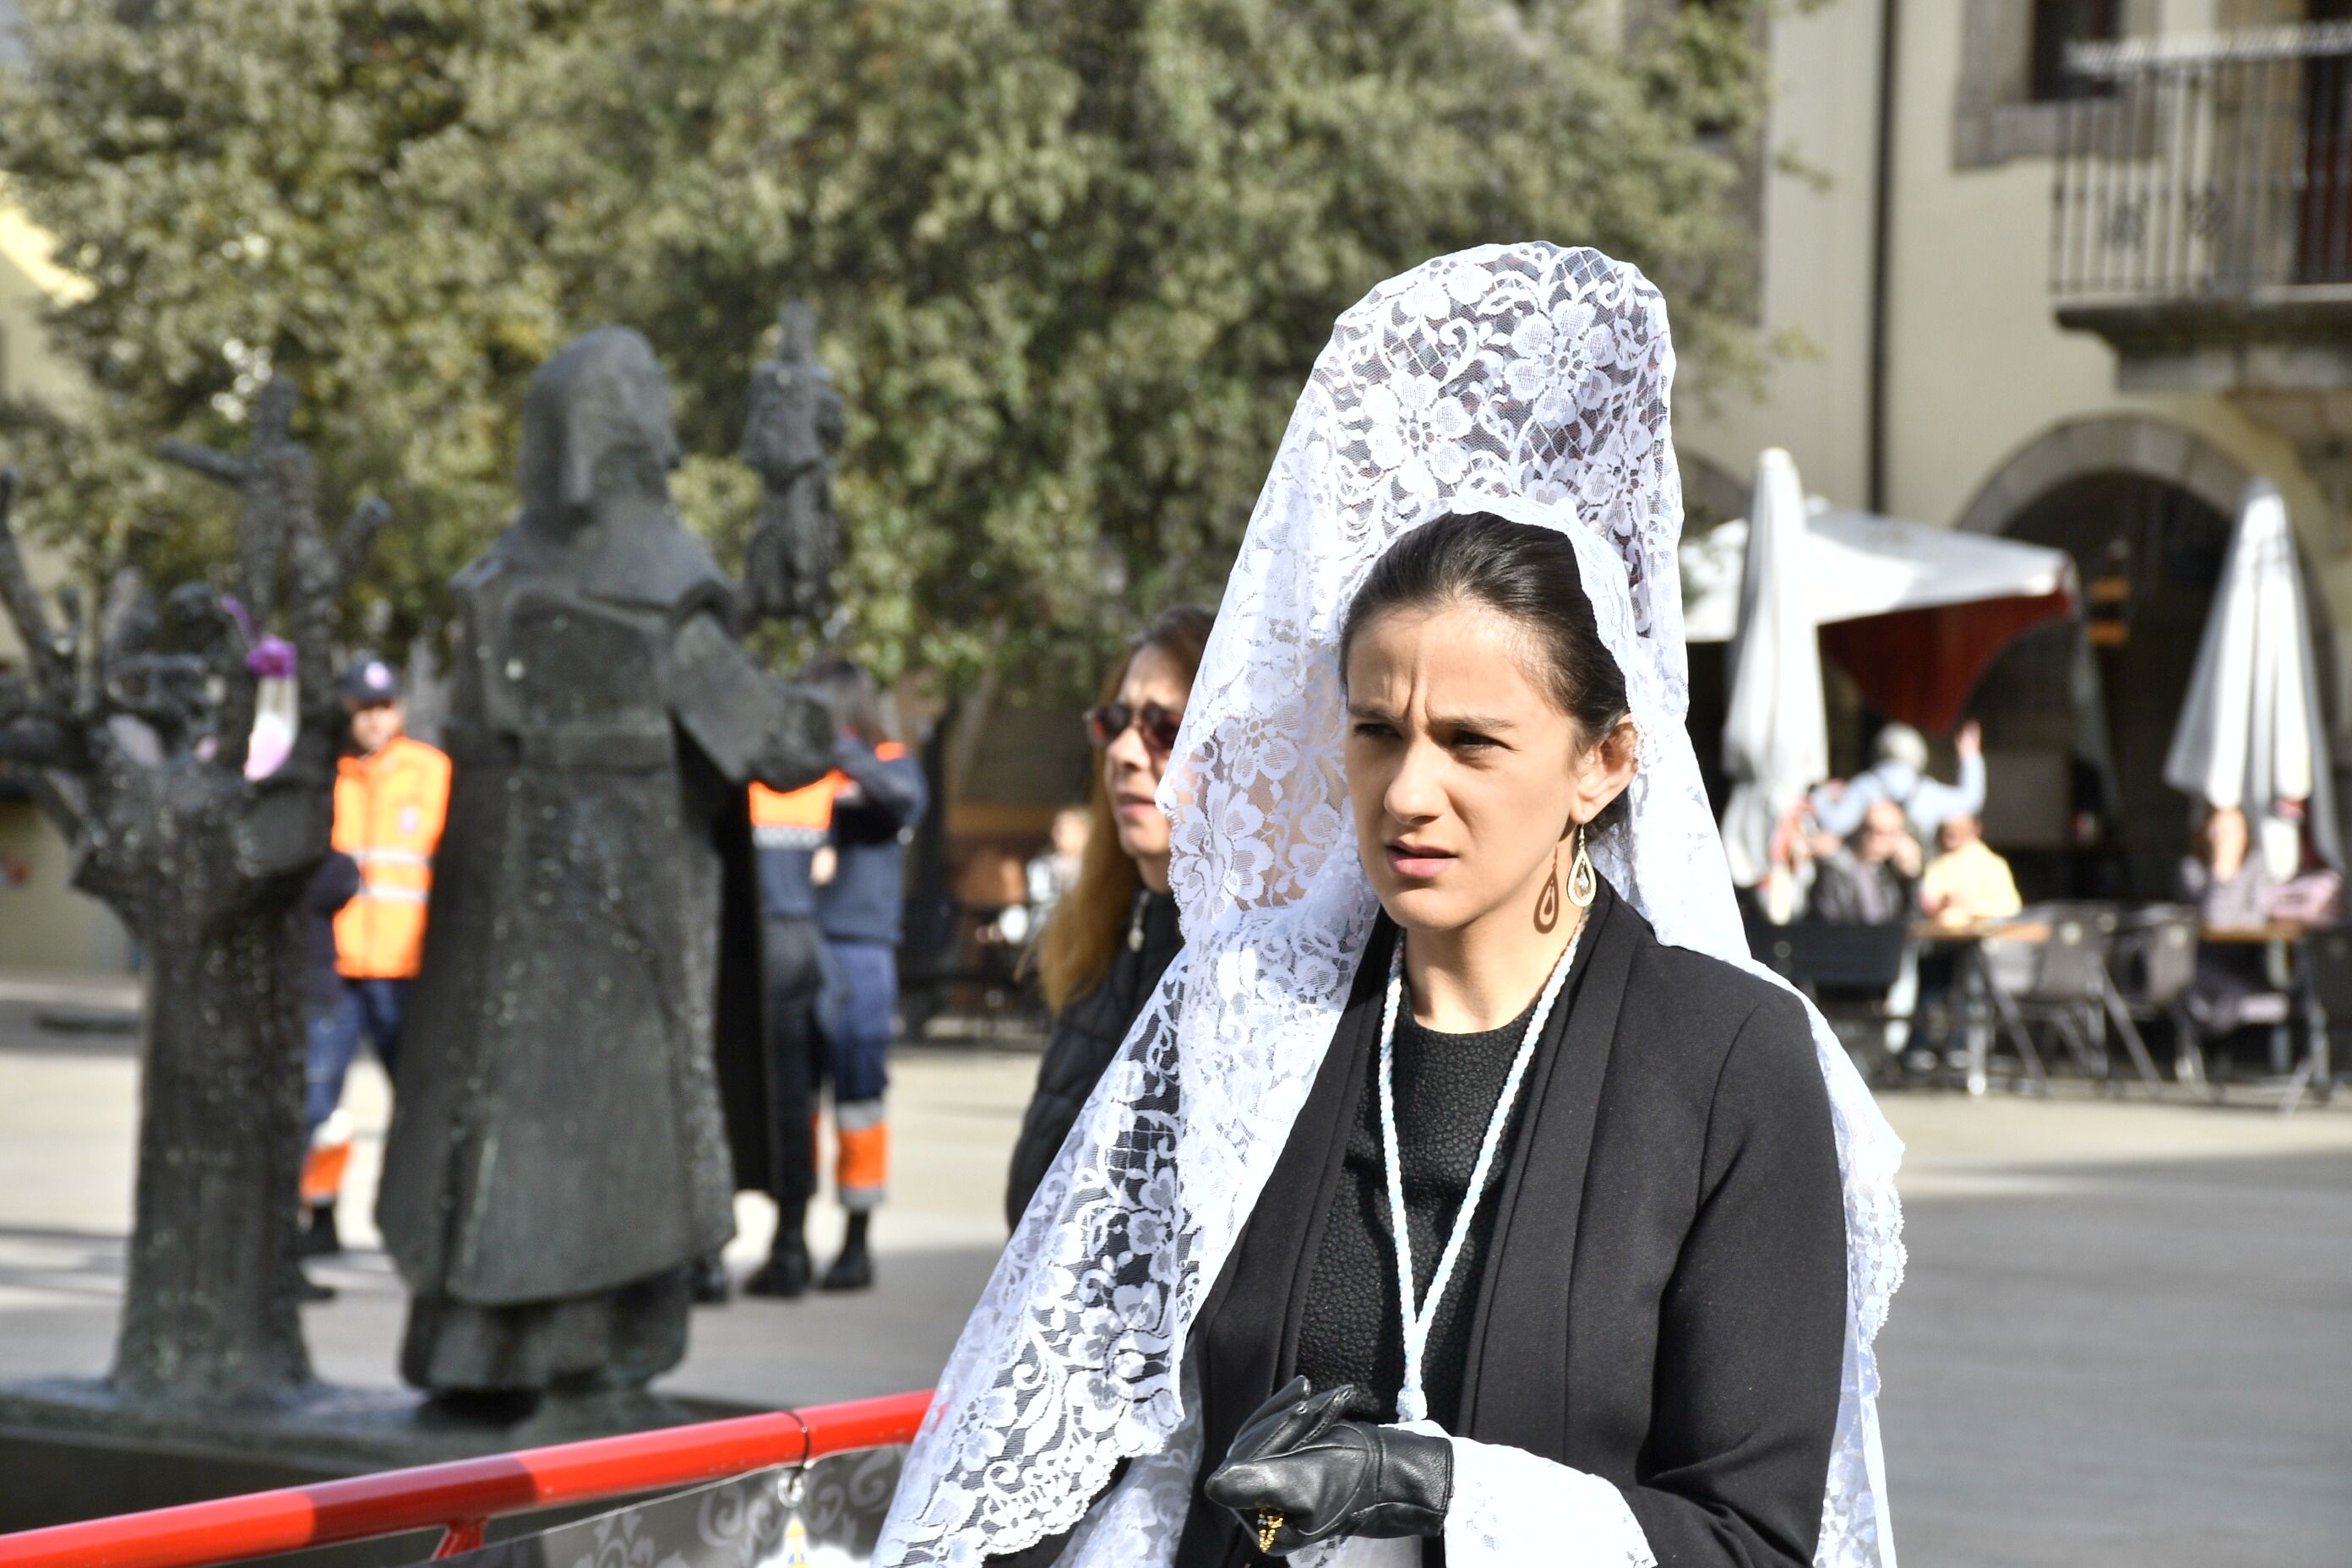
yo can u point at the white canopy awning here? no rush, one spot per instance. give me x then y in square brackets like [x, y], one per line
[1859, 564]
[1914, 613]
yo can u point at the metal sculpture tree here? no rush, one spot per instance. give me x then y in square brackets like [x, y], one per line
[135, 733]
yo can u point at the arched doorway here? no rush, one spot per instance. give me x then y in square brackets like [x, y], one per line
[2077, 721]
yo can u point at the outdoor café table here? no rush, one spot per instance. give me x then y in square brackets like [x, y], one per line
[2277, 940]
[1972, 979]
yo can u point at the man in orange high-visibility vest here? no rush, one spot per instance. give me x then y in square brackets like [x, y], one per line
[875, 810]
[775, 1139]
[392, 795]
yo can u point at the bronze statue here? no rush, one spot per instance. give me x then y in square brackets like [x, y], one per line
[136, 740]
[557, 1158]
[793, 426]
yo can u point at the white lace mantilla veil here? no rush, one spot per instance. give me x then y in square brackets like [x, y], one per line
[1521, 379]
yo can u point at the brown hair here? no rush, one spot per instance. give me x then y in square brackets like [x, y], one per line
[856, 705]
[1074, 951]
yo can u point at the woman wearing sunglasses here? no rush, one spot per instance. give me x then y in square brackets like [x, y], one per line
[1112, 934]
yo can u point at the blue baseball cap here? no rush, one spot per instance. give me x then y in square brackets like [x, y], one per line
[369, 683]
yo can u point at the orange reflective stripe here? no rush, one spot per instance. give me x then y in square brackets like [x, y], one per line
[389, 809]
[811, 806]
[863, 1161]
[889, 752]
[322, 1173]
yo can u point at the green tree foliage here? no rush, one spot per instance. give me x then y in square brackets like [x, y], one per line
[1071, 257]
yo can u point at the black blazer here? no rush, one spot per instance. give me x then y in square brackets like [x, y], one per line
[1665, 1303]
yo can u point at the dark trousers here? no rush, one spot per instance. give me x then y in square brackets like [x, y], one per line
[793, 972]
[857, 1062]
[364, 1011]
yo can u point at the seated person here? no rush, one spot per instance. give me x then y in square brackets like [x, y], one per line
[2222, 878]
[2228, 885]
[1967, 881]
[1872, 879]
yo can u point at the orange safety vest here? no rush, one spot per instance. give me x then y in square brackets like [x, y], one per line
[796, 819]
[389, 809]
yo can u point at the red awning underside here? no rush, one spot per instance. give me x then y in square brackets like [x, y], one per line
[1918, 667]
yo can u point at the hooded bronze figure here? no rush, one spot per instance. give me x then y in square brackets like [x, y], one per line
[557, 1158]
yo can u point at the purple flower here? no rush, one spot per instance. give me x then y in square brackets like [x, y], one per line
[271, 658]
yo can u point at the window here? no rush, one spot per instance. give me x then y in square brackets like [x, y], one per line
[2057, 25]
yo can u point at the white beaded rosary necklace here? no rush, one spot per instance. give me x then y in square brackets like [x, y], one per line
[1413, 1405]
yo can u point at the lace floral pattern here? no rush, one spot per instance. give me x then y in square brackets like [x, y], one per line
[1524, 379]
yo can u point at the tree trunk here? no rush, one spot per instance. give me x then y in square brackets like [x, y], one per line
[210, 1305]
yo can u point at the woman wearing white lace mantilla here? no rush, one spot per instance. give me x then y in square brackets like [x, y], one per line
[1464, 1188]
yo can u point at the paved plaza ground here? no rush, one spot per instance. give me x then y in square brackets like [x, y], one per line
[2126, 1337]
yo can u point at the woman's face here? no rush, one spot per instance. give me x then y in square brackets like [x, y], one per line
[1464, 775]
[1132, 766]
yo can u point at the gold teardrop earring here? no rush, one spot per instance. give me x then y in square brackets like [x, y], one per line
[1583, 882]
[1548, 901]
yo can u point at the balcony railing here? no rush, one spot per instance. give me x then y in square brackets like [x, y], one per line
[2207, 169]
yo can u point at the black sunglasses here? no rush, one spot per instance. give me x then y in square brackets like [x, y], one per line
[1106, 721]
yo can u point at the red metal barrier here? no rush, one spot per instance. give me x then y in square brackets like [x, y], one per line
[460, 1495]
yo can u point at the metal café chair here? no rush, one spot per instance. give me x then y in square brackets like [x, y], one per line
[2326, 968]
[2059, 983]
[1854, 974]
[2150, 969]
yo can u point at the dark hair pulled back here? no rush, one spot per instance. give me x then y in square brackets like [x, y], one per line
[1521, 570]
[845, 685]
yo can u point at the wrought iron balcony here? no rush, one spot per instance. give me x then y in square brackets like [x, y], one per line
[2204, 199]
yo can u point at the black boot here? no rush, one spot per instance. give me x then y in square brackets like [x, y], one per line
[786, 1273]
[854, 1269]
[318, 1237]
[711, 1282]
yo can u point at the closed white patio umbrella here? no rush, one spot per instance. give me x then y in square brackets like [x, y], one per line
[2250, 733]
[1775, 733]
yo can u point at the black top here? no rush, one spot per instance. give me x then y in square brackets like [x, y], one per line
[1085, 1037]
[1447, 1090]
[1849, 891]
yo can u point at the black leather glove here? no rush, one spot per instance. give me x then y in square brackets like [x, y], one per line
[1324, 1475]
